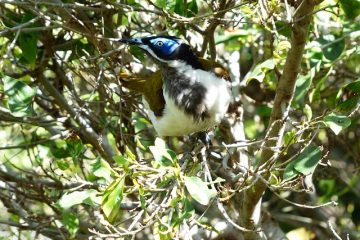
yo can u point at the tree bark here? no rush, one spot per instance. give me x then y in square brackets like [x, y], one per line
[249, 203]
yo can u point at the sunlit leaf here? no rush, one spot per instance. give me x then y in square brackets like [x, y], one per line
[89, 197]
[62, 164]
[304, 164]
[121, 161]
[289, 137]
[71, 222]
[337, 122]
[112, 198]
[263, 110]
[260, 71]
[198, 190]
[20, 96]
[161, 3]
[102, 169]
[300, 234]
[162, 155]
[130, 154]
[308, 112]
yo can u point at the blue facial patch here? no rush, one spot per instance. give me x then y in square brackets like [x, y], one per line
[165, 45]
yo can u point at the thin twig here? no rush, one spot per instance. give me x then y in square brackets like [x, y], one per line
[333, 230]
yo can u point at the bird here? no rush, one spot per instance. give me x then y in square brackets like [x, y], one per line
[187, 94]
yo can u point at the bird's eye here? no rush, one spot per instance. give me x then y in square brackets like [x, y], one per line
[159, 43]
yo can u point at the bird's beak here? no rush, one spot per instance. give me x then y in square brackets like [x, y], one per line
[132, 41]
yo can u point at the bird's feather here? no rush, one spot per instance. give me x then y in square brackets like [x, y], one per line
[151, 86]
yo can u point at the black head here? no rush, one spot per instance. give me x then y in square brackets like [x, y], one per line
[166, 49]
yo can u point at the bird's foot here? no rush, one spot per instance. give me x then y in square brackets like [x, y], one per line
[204, 137]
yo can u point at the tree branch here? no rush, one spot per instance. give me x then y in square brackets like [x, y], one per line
[284, 95]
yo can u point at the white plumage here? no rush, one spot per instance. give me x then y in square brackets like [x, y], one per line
[175, 122]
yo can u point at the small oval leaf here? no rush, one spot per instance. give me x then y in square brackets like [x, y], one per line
[304, 164]
[74, 198]
[199, 190]
[337, 122]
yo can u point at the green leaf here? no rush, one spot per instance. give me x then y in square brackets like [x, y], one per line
[58, 148]
[320, 77]
[263, 111]
[137, 52]
[102, 169]
[165, 157]
[28, 41]
[328, 189]
[78, 197]
[121, 161]
[260, 71]
[187, 212]
[302, 87]
[350, 7]
[337, 122]
[283, 28]
[353, 86]
[349, 104]
[230, 36]
[142, 197]
[304, 164]
[20, 96]
[112, 198]
[199, 190]
[71, 222]
[179, 7]
[289, 137]
[161, 3]
[28, 45]
[131, 156]
[331, 47]
[351, 93]
[62, 164]
[192, 8]
[75, 148]
[308, 112]
[251, 128]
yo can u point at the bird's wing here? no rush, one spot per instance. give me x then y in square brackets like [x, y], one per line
[216, 68]
[149, 86]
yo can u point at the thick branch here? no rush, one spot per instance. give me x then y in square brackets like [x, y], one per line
[283, 98]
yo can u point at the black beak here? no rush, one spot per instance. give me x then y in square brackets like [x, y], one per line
[132, 41]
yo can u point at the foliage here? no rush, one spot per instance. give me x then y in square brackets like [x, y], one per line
[80, 159]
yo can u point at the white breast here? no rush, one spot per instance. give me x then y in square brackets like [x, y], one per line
[175, 122]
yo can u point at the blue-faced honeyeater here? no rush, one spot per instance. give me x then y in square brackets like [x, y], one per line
[187, 95]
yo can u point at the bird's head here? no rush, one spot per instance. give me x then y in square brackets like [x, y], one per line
[166, 50]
